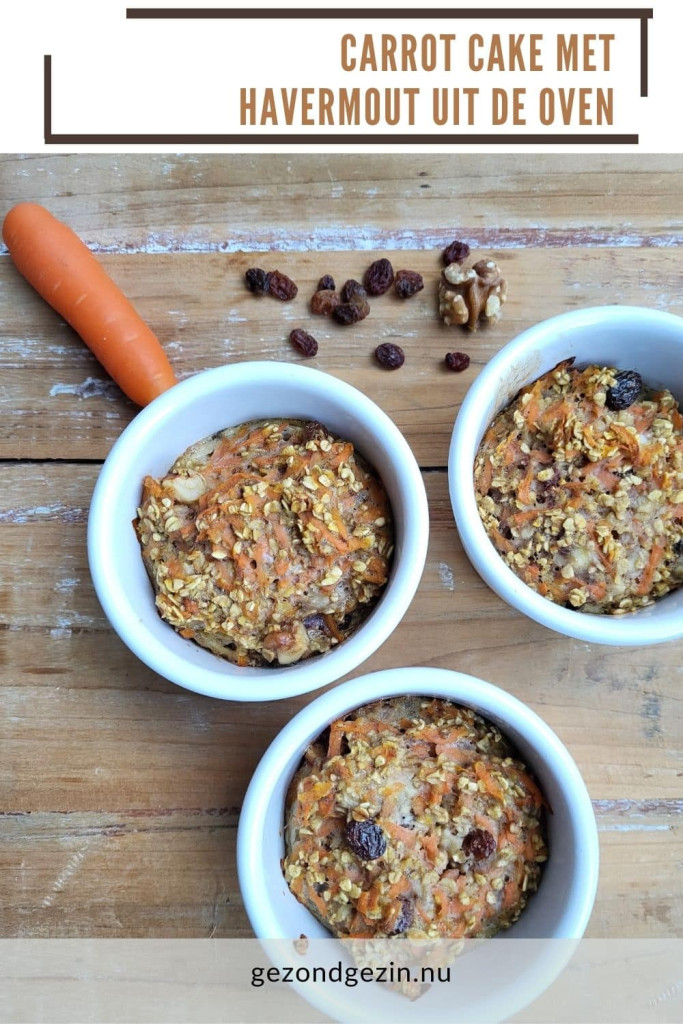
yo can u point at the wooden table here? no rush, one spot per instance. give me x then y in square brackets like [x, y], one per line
[120, 792]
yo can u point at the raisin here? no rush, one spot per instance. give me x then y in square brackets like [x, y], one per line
[258, 281]
[324, 302]
[390, 356]
[314, 431]
[316, 623]
[281, 286]
[365, 839]
[457, 361]
[478, 844]
[678, 548]
[351, 290]
[351, 312]
[326, 284]
[627, 387]
[456, 252]
[404, 919]
[408, 283]
[304, 343]
[379, 277]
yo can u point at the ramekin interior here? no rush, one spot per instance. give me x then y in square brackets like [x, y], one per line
[194, 409]
[561, 907]
[627, 337]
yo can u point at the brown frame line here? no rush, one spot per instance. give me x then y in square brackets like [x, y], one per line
[179, 13]
[462, 13]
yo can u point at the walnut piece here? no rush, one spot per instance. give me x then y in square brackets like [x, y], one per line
[468, 296]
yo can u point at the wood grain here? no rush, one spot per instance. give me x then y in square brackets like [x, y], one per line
[119, 792]
[159, 203]
[53, 392]
[149, 874]
[619, 713]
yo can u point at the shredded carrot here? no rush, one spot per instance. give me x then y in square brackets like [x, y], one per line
[653, 561]
[406, 835]
[491, 785]
[485, 478]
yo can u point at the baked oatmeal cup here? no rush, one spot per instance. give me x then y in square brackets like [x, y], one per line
[267, 542]
[414, 816]
[579, 485]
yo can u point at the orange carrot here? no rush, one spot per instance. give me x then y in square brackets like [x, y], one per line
[484, 482]
[648, 573]
[407, 836]
[67, 275]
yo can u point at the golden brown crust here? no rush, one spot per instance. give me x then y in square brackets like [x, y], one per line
[268, 542]
[413, 816]
[585, 502]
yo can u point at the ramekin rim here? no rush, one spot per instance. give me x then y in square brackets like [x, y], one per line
[627, 631]
[314, 673]
[289, 745]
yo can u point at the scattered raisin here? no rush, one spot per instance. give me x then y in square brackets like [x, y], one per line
[457, 361]
[365, 839]
[678, 548]
[281, 286]
[390, 356]
[478, 844]
[379, 277]
[408, 283]
[351, 312]
[326, 284]
[304, 343]
[351, 290]
[324, 302]
[456, 252]
[258, 281]
[404, 919]
[627, 387]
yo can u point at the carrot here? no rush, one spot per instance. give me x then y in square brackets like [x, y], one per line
[524, 492]
[484, 776]
[406, 835]
[335, 744]
[597, 591]
[67, 275]
[484, 482]
[430, 845]
[648, 573]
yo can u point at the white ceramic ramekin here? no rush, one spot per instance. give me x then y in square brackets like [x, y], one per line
[627, 337]
[559, 909]
[192, 410]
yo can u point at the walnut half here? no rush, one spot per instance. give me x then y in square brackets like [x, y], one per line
[468, 296]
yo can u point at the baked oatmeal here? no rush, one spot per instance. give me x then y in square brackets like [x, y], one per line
[579, 485]
[267, 542]
[413, 816]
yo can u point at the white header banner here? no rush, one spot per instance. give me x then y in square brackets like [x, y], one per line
[590, 77]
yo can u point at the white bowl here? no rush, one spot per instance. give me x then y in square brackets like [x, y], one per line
[192, 410]
[626, 337]
[559, 909]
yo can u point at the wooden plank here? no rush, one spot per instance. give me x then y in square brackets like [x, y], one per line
[640, 894]
[618, 710]
[119, 792]
[200, 202]
[171, 871]
[55, 399]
